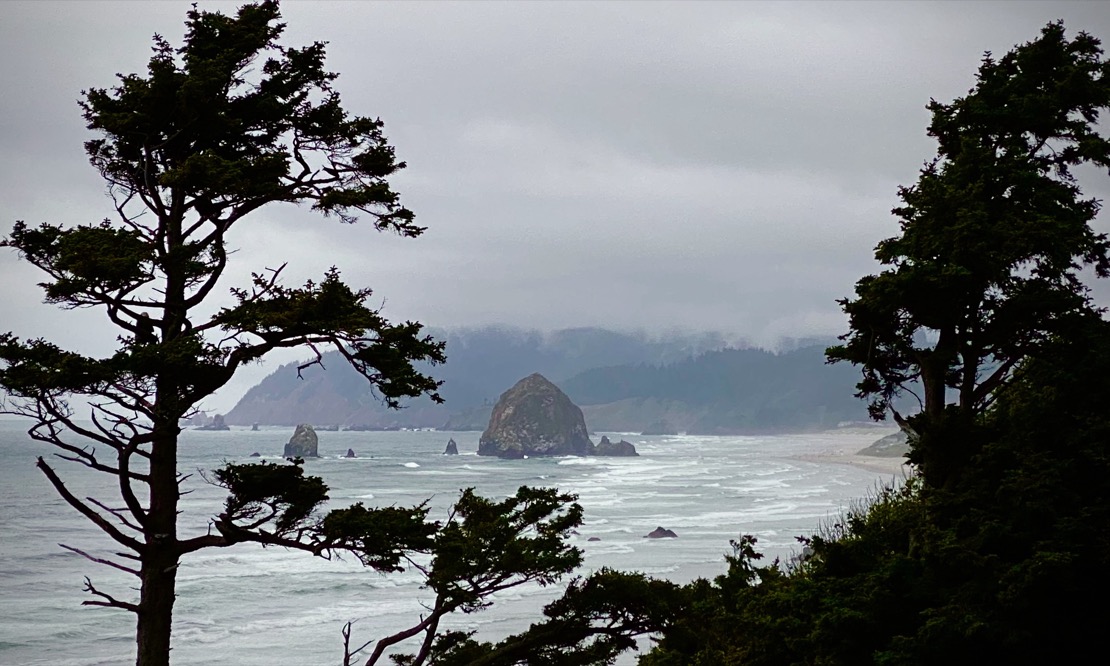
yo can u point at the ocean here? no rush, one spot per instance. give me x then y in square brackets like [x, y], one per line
[253, 606]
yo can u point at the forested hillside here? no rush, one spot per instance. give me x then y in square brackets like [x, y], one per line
[623, 382]
[483, 362]
[723, 391]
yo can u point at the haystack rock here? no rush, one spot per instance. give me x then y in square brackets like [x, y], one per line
[660, 533]
[535, 418]
[608, 448]
[303, 444]
[452, 448]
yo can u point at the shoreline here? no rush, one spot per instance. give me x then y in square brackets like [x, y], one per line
[895, 466]
[847, 453]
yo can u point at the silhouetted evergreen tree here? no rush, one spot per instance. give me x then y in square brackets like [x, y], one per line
[994, 234]
[226, 124]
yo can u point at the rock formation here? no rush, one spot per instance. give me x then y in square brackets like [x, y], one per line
[452, 448]
[256, 454]
[661, 533]
[535, 418]
[303, 444]
[350, 454]
[217, 423]
[895, 445]
[608, 448]
[594, 539]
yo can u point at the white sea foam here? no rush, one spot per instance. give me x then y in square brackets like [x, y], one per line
[262, 606]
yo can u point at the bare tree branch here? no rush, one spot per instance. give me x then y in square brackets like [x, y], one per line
[100, 560]
[109, 601]
[85, 511]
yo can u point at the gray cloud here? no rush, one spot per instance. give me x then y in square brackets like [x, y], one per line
[724, 166]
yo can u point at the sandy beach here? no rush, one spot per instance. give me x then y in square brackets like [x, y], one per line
[847, 454]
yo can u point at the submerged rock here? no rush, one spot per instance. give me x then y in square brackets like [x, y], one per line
[594, 539]
[256, 454]
[452, 448]
[608, 448]
[535, 418]
[303, 444]
[660, 533]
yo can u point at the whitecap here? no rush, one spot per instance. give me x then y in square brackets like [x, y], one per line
[411, 465]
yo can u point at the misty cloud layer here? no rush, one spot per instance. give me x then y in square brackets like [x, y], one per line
[718, 166]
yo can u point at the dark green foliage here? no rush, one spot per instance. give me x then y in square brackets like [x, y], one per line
[487, 543]
[264, 492]
[993, 233]
[488, 546]
[484, 547]
[596, 619]
[379, 537]
[999, 552]
[97, 258]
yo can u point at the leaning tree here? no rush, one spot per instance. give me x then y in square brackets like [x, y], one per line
[994, 235]
[228, 123]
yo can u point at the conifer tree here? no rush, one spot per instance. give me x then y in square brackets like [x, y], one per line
[213, 131]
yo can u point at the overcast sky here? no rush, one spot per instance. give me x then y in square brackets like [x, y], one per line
[726, 166]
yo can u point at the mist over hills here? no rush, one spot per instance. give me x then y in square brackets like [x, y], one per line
[622, 381]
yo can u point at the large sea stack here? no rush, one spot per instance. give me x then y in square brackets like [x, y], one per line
[535, 418]
[303, 444]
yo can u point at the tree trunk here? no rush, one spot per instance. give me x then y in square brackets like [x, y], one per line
[159, 580]
[160, 556]
[932, 380]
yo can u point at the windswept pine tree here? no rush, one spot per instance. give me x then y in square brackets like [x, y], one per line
[215, 130]
[994, 235]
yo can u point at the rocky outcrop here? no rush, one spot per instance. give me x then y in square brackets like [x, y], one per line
[894, 445]
[350, 454]
[217, 423]
[535, 418]
[303, 444]
[660, 533]
[607, 448]
[660, 427]
[452, 448]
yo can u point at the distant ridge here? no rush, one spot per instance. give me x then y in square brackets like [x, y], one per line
[623, 383]
[482, 363]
